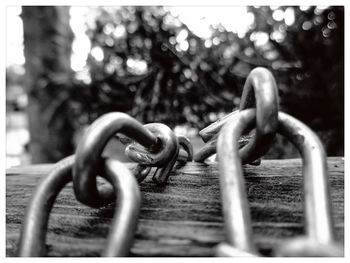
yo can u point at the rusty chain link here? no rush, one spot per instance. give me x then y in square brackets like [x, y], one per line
[260, 89]
[34, 227]
[319, 240]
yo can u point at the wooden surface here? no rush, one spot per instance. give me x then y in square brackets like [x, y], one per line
[181, 219]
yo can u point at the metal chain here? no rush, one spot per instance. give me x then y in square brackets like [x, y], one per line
[156, 145]
[127, 209]
[159, 141]
[139, 154]
[34, 227]
[134, 148]
[319, 225]
[185, 143]
[83, 167]
[260, 89]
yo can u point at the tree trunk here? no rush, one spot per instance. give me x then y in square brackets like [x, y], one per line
[47, 50]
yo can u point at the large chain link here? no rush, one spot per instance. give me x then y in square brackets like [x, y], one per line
[158, 141]
[156, 145]
[160, 149]
[34, 226]
[319, 227]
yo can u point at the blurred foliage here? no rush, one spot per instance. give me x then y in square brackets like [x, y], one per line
[146, 72]
[309, 68]
[154, 68]
[147, 63]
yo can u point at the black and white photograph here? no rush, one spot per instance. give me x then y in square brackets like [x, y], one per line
[174, 130]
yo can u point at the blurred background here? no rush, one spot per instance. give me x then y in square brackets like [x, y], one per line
[182, 66]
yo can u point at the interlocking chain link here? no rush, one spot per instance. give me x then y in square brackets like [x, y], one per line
[34, 226]
[166, 156]
[160, 149]
[89, 152]
[319, 225]
[156, 145]
[137, 153]
[159, 142]
[260, 89]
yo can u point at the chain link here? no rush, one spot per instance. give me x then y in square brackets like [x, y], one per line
[158, 141]
[169, 146]
[185, 143]
[164, 159]
[34, 227]
[319, 226]
[260, 89]
[156, 145]
[167, 155]
[89, 150]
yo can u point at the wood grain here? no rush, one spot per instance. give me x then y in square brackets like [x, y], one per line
[181, 219]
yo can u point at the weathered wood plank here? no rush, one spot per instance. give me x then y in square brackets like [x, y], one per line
[181, 219]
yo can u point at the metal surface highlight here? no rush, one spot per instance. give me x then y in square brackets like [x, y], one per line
[260, 89]
[88, 154]
[317, 208]
[35, 223]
